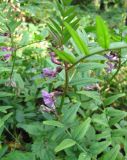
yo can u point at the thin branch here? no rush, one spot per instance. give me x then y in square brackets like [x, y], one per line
[28, 45]
[65, 87]
[13, 51]
[113, 76]
[99, 50]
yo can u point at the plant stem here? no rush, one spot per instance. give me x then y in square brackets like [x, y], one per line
[13, 51]
[65, 87]
[28, 44]
[99, 50]
[113, 76]
[11, 134]
[14, 58]
[81, 148]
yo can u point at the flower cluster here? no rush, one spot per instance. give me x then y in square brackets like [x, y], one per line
[8, 50]
[47, 72]
[49, 100]
[112, 61]
[54, 59]
[7, 56]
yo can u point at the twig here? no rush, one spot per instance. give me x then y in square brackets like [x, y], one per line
[65, 87]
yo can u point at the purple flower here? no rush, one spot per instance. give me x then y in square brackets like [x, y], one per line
[54, 59]
[49, 73]
[48, 98]
[112, 56]
[4, 49]
[7, 56]
[110, 67]
[59, 69]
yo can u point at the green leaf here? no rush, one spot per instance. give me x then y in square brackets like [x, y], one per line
[3, 150]
[99, 147]
[4, 108]
[83, 81]
[111, 99]
[3, 119]
[66, 2]
[91, 94]
[84, 156]
[20, 117]
[104, 135]
[66, 34]
[69, 11]
[13, 24]
[70, 115]
[119, 132]
[112, 112]
[82, 129]
[7, 116]
[19, 81]
[66, 56]
[42, 150]
[32, 128]
[56, 25]
[112, 154]
[78, 41]
[17, 155]
[53, 123]
[115, 115]
[103, 36]
[5, 94]
[66, 143]
[100, 119]
[60, 8]
[90, 66]
[25, 38]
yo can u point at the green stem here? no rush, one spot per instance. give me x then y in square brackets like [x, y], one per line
[14, 59]
[117, 71]
[11, 134]
[13, 51]
[65, 87]
[79, 146]
[28, 45]
[99, 50]
[113, 76]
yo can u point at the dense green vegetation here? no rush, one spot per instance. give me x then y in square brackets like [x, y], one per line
[63, 86]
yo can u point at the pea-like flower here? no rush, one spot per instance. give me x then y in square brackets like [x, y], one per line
[6, 49]
[110, 66]
[54, 59]
[49, 99]
[47, 72]
[112, 56]
[112, 61]
[7, 56]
